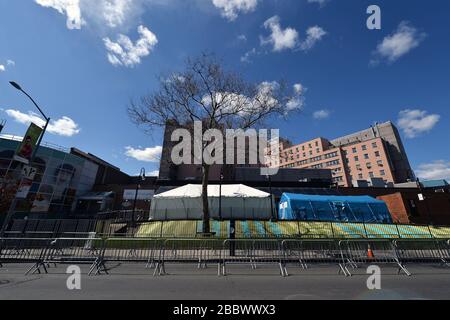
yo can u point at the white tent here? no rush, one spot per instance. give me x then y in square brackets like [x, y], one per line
[185, 203]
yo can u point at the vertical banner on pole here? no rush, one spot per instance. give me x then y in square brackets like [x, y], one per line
[25, 150]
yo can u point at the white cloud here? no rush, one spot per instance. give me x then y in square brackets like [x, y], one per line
[146, 155]
[64, 126]
[112, 13]
[321, 114]
[242, 37]
[281, 39]
[115, 12]
[320, 2]
[434, 171]
[396, 45]
[246, 58]
[2, 68]
[297, 101]
[126, 53]
[231, 8]
[313, 35]
[10, 63]
[298, 88]
[416, 122]
[70, 8]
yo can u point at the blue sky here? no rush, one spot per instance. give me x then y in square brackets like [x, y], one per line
[352, 76]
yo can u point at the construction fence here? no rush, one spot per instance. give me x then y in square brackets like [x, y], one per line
[158, 254]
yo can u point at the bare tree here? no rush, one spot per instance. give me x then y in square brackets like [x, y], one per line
[220, 99]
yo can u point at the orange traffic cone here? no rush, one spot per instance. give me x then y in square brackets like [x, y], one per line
[370, 254]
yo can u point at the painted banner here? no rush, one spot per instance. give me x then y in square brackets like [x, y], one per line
[26, 148]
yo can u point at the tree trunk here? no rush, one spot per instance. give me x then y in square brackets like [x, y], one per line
[205, 181]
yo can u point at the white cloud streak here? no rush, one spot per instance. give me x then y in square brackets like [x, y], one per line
[111, 13]
[398, 44]
[231, 9]
[124, 52]
[64, 126]
[436, 170]
[145, 155]
[321, 114]
[288, 39]
[69, 8]
[415, 122]
[281, 39]
[313, 35]
[321, 3]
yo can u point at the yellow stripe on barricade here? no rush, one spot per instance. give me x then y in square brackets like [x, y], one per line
[316, 230]
[179, 229]
[382, 231]
[440, 232]
[283, 229]
[414, 232]
[349, 230]
[149, 230]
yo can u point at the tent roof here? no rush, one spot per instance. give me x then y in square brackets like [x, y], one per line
[330, 198]
[228, 191]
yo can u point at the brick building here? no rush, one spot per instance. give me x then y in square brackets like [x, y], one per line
[364, 156]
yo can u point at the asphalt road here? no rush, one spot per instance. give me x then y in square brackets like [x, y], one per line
[187, 283]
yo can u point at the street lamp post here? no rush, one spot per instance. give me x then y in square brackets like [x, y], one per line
[138, 185]
[47, 121]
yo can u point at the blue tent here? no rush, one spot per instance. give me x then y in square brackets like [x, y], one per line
[303, 207]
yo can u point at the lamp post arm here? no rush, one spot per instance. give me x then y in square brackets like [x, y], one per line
[35, 104]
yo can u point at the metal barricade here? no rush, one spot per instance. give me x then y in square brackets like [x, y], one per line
[253, 253]
[423, 250]
[24, 250]
[77, 251]
[369, 252]
[307, 252]
[133, 250]
[189, 251]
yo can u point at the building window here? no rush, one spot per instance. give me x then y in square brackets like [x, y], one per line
[303, 148]
[354, 150]
[304, 154]
[360, 176]
[358, 167]
[369, 165]
[380, 163]
[377, 154]
[366, 156]
[310, 153]
[382, 173]
[371, 175]
[356, 158]
[374, 145]
[364, 147]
